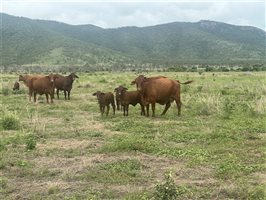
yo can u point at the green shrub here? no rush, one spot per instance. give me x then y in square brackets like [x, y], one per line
[31, 142]
[10, 122]
[167, 190]
[5, 91]
[228, 108]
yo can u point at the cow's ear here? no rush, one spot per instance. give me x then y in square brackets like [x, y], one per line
[102, 93]
[133, 82]
[76, 76]
[94, 94]
[115, 89]
[125, 88]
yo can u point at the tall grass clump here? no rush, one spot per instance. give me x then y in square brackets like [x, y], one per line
[207, 105]
[228, 108]
[10, 121]
[31, 142]
[5, 91]
[258, 107]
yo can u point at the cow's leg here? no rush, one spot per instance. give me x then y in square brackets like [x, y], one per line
[148, 110]
[142, 110]
[178, 104]
[113, 106]
[65, 94]
[127, 109]
[30, 94]
[166, 108]
[153, 109]
[103, 108]
[117, 105]
[69, 95]
[47, 98]
[34, 96]
[57, 92]
[108, 108]
[52, 98]
[124, 109]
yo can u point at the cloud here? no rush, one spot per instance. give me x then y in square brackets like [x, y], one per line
[117, 14]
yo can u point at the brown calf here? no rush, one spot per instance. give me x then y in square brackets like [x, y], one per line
[16, 86]
[43, 85]
[129, 98]
[27, 81]
[104, 100]
[65, 83]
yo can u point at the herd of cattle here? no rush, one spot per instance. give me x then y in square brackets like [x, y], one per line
[152, 90]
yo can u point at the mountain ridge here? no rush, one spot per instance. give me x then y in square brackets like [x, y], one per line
[204, 41]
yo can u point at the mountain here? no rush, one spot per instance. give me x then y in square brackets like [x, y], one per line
[28, 41]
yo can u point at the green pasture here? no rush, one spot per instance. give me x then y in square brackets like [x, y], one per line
[66, 150]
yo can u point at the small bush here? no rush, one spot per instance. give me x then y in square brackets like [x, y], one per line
[31, 142]
[5, 91]
[228, 108]
[167, 190]
[10, 122]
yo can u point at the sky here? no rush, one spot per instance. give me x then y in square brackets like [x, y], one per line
[118, 13]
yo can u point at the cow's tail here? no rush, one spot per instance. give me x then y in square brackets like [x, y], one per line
[187, 82]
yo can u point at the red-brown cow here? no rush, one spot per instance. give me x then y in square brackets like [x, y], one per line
[27, 81]
[43, 85]
[159, 90]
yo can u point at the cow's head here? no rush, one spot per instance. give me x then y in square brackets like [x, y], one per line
[21, 78]
[138, 81]
[120, 90]
[52, 78]
[98, 94]
[73, 76]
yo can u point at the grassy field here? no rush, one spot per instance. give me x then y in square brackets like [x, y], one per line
[215, 150]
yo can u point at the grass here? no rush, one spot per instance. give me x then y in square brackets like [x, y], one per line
[66, 150]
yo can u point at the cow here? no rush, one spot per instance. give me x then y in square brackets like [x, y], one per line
[104, 100]
[129, 98]
[16, 86]
[117, 98]
[159, 90]
[43, 85]
[26, 79]
[65, 83]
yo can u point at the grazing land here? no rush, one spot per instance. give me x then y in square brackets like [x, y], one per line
[66, 150]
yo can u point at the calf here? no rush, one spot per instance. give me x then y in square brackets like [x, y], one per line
[65, 83]
[16, 86]
[104, 100]
[26, 79]
[43, 85]
[132, 98]
[117, 98]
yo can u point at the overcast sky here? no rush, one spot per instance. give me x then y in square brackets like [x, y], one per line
[112, 14]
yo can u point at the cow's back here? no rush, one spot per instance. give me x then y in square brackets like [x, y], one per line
[159, 89]
[41, 85]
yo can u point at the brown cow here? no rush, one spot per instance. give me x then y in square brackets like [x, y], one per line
[43, 85]
[104, 100]
[159, 90]
[27, 81]
[65, 83]
[16, 86]
[131, 97]
[117, 98]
